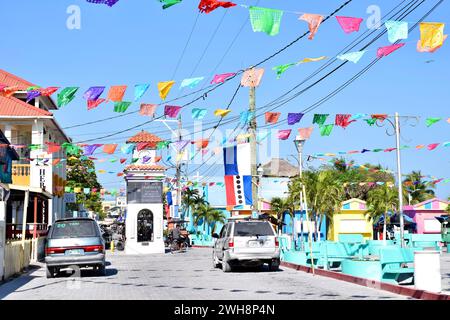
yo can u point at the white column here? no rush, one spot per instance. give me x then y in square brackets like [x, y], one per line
[8, 131]
[37, 137]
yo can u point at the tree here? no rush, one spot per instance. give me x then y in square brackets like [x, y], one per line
[208, 214]
[417, 189]
[81, 174]
[213, 217]
[189, 200]
[281, 207]
[380, 201]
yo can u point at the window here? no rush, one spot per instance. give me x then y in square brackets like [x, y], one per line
[145, 226]
[248, 229]
[223, 231]
[74, 229]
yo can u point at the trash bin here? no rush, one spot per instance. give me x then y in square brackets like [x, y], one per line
[427, 270]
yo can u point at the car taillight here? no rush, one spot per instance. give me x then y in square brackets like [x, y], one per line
[276, 242]
[54, 250]
[98, 248]
[231, 243]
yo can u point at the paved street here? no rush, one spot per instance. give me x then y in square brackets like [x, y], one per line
[183, 276]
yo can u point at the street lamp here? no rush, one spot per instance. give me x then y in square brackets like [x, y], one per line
[260, 172]
[299, 143]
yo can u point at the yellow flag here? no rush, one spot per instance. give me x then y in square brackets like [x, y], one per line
[179, 157]
[313, 59]
[101, 171]
[221, 112]
[164, 88]
[77, 190]
[431, 34]
[243, 136]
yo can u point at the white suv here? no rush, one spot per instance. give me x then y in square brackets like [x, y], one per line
[246, 243]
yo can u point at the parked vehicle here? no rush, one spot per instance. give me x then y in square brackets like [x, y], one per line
[246, 243]
[74, 242]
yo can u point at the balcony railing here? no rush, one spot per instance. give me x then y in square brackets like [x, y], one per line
[21, 174]
[14, 231]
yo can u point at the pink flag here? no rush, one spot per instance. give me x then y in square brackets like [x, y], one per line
[385, 51]
[305, 133]
[284, 134]
[220, 78]
[47, 92]
[171, 111]
[95, 103]
[314, 21]
[349, 24]
[147, 109]
[432, 146]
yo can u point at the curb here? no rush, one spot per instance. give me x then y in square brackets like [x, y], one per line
[410, 292]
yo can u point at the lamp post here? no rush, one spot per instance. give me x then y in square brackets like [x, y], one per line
[299, 143]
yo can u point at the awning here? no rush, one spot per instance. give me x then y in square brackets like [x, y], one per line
[40, 191]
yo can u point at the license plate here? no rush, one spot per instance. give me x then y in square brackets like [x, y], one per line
[74, 252]
[254, 244]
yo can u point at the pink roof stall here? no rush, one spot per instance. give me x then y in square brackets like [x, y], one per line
[424, 214]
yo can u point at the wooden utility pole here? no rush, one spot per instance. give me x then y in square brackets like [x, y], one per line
[252, 128]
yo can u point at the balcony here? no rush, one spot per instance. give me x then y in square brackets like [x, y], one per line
[21, 174]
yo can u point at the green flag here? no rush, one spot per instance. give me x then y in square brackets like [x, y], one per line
[265, 20]
[112, 160]
[67, 189]
[326, 130]
[71, 149]
[169, 3]
[281, 69]
[162, 144]
[431, 121]
[121, 106]
[66, 96]
[320, 119]
[377, 150]
[370, 122]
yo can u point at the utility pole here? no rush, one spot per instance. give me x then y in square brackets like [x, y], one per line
[399, 177]
[252, 127]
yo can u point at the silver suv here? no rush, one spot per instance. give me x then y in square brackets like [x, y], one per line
[246, 243]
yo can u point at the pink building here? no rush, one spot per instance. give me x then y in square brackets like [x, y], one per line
[424, 214]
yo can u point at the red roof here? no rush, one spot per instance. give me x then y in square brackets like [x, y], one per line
[144, 136]
[146, 167]
[11, 106]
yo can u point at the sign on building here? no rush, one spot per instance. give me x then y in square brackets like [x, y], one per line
[70, 198]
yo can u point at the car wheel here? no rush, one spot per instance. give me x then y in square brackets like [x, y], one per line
[274, 265]
[226, 266]
[101, 270]
[49, 272]
[216, 262]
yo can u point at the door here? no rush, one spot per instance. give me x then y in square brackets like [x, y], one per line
[145, 226]
[220, 242]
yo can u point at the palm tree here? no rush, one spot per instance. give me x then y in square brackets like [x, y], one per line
[208, 214]
[281, 207]
[190, 199]
[213, 217]
[380, 201]
[418, 190]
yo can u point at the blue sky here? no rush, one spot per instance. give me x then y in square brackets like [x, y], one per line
[138, 42]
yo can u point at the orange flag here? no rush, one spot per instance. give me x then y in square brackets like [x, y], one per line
[272, 117]
[314, 21]
[109, 148]
[116, 93]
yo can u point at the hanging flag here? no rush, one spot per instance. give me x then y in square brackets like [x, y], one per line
[109, 148]
[122, 160]
[265, 20]
[352, 56]
[397, 30]
[171, 111]
[432, 146]
[326, 130]
[305, 133]
[109, 3]
[148, 109]
[284, 134]
[162, 144]
[66, 96]
[127, 148]
[9, 91]
[389, 149]
[282, 68]
[385, 51]
[343, 120]
[169, 3]
[52, 147]
[33, 94]
[116, 93]
[349, 24]
[89, 149]
[260, 136]
[380, 117]
[164, 88]
[91, 104]
[370, 122]
[294, 118]
[320, 119]
[221, 78]
[206, 6]
[431, 121]
[121, 107]
[198, 114]
[306, 60]
[139, 91]
[427, 49]
[238, 190]
[47, 92]
[236, 160]
[191, 83]
[221, 112]
[245, 117]
[113, 160]
[314, 21]
[358, 116]
[252, 77]
[180, 145]
[201, 143]
[272, 117]
[93, 93]
[431, 34]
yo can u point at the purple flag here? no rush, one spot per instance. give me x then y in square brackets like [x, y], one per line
[293, 118]
[109, 3]
[180, 145]
[89, 149]
[171, 111]
[146, 159]
[93, 93]
[32, 95]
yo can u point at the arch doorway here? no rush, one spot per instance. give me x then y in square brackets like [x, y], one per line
[145, 226]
